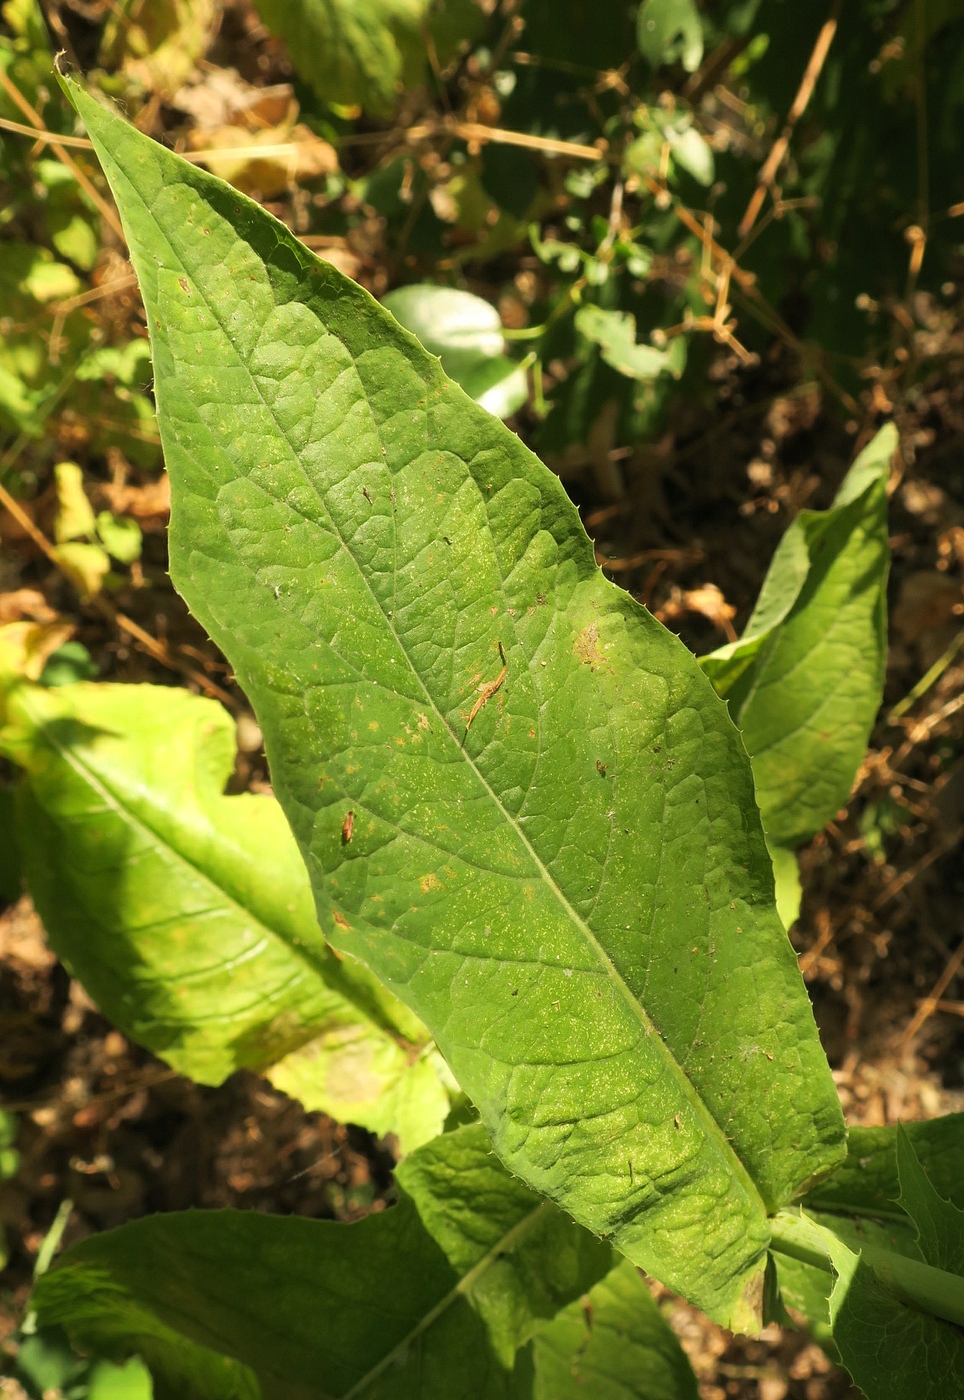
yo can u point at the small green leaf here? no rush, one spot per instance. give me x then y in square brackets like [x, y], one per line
[130, 363]
[667, 29]
[70, 663]
[187, 915]
[615, 334]
[414, 610]
[466, 333]
[9, 1156]
[130, 1381]
[429, 1300]
[692, 153]
[47, 1364]
[867, 1183]
[613, 1345]
[74, 238]
[351, 51]
[804, 681]
[121, 537]
[36, 274]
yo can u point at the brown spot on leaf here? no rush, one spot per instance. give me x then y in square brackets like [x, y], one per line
[586, 647]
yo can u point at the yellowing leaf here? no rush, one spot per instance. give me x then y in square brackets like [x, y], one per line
[86, 564]
[75, 515]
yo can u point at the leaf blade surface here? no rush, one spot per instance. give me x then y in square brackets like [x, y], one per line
[556, 857]
[804, 682]
[185, 913]
[430, 1300]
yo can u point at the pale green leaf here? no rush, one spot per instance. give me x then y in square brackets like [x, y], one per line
[120, 536]
[75, 514]
[35, 273]
[804, 681]
[667, 29]
[692, 153]
[351, 51]
[466, 333]
[615, 334]
[86, 565]
[73, 237]
[131, 1381]
[429, 1300]
[556, 861]
[612, 1345]
[187, 915]
[786, 880]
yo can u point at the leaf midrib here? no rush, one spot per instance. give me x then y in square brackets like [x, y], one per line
[461, 1289]
[713, 1130]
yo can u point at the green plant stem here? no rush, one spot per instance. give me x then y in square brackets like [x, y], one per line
[927, 680]
[915, 1283]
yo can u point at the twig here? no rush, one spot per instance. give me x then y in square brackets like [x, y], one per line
[475, 131]
[900, 884]
[920, 104]
[57, 145]
[29, 1105]
[927, 680]
[956, 1008]
[826, 935]
[633, 561]
[107, 610]
[45, 137]
[779, 148]
[63, 309]
[929, 1005]
[759, 305]
[921, 730]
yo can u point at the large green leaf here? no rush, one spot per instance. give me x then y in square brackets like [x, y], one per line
[804, 681]
[188, 916]
[351, 51]
[557, 861]
[861, 1202]
[897, 1318]
[613, 1345]
[429, 1300]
